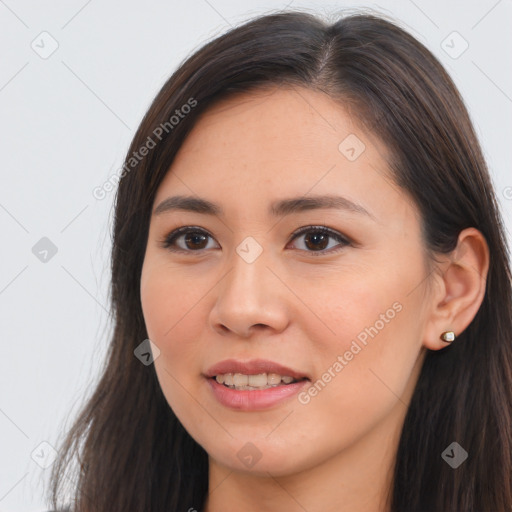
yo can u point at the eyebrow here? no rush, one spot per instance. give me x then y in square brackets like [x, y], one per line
[277, 208]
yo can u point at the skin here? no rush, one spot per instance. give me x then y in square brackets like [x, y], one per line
[296, 306]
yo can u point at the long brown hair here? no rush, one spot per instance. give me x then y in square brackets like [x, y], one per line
[133, 454]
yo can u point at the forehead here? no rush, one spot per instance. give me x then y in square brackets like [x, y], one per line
[287, 120]
[259, 146]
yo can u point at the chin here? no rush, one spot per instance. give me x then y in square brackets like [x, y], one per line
[259, 457]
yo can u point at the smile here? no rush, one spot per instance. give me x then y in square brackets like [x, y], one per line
[254, 385]
[240, 381]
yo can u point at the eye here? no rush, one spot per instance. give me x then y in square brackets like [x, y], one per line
[195, 239]
[317, 238]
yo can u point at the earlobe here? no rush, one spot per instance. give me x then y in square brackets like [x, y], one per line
[461, 292]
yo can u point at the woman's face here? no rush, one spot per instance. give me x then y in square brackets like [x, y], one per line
[342, 312]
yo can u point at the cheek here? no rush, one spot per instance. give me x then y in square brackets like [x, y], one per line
[357, 306]
[173, 317]
[170, 302]
[171, 312]
[377, 326]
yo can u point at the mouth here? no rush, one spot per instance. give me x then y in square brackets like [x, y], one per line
[254, 385]
[260, 381]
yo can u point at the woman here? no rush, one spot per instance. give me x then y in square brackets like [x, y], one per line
[307, 232]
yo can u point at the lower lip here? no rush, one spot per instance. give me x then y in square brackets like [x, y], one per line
[246, 400]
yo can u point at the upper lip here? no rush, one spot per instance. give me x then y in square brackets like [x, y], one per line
[253, 367]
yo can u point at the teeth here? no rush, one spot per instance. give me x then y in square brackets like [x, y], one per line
[273, 378]
[257, 381]
[240, 379]
[261, 381]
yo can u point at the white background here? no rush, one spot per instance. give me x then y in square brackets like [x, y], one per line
[66, 122]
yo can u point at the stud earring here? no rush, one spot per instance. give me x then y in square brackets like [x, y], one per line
[448, 336]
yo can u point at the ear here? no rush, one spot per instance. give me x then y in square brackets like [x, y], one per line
[459, 288]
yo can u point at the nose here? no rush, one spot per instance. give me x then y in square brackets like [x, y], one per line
[249, 298]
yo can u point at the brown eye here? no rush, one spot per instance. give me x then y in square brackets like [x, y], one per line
[316, 239]
[187, 239]
[195, 240]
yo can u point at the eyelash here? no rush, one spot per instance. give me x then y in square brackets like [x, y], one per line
[171, 238]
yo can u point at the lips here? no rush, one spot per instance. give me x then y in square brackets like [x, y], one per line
[253, 367]
[249, 398]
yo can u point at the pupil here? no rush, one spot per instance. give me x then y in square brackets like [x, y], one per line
[192, 238]
[315, 237]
